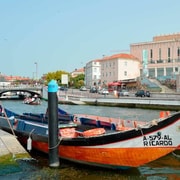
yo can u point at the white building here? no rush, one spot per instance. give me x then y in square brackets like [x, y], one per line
[92, 73]
[117, 67]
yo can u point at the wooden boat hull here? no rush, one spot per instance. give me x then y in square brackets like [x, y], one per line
[115, 158]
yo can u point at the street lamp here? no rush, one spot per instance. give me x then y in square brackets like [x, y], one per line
[33, 75]
[36, 70]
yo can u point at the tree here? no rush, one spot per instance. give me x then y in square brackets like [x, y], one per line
[78, 81]
[56, 76]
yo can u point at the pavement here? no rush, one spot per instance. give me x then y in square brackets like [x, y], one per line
[10, 145]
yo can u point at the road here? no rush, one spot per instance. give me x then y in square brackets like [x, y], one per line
[76, 93]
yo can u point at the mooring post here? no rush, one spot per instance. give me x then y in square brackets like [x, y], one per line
[53, 124]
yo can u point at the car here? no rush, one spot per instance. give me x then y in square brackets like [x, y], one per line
[103, 91]
[142, 93]
[83, 88]
[93, 90]
[123, 92]
[148, 94]
[62, 88]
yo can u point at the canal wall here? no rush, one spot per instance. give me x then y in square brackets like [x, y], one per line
[145, 103]
[162, 101]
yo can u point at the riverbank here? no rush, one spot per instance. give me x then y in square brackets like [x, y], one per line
[144, 103]
[10, 151]
[161, 101]
[10, 145]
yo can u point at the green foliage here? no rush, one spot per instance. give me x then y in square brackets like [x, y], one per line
[55, 76]
[78, 81]
[75, 82]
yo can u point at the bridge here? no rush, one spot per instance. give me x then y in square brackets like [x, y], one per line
[20, 91]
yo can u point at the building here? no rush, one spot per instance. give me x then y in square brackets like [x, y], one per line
[93, 73]
[159, 58]
[9, 80]
[77, 72]
[118, 67]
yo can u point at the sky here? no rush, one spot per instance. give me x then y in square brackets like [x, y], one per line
[41, 36]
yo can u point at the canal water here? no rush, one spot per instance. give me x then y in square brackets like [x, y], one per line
[37, 167]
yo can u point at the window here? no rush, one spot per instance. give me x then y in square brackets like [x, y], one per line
[159, 53]
[178, 52]
[169, 55]
[169, 52]
[151, 54]
[125, 73]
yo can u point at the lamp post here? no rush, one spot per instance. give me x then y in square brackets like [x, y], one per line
[33, 76]
[36, 70]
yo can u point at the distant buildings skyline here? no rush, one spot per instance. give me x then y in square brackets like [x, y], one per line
[159, 57]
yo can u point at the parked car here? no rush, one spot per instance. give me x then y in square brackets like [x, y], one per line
[93, 90]
[83, 88]
[103, 91]
[148, 94]
[62, 88]
[142, 93]
[123, 92]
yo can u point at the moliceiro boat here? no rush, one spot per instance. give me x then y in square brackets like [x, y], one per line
[35, 100]
[102, 143]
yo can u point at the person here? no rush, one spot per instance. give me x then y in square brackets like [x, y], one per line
[118, 94]
[1, 111]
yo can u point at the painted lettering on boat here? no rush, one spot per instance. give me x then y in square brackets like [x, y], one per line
[157, 140]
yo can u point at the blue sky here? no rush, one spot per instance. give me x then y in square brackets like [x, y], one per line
[66, 34]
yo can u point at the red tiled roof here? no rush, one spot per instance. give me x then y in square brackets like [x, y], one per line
[121, 56]
[10, 78]
[80, 70]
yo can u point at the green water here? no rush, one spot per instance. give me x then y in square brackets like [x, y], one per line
[37, 168]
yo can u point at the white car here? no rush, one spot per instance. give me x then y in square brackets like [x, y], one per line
[124, 92]
[83, 88]
[103, 91]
